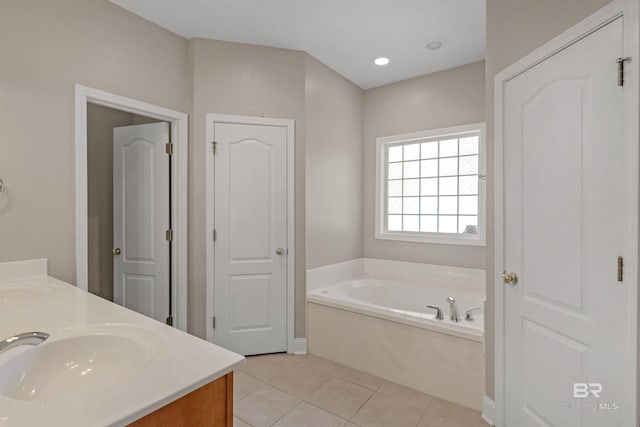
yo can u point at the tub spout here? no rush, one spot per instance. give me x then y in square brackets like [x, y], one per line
[454, 315]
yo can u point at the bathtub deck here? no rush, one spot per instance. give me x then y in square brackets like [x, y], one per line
[293, 391]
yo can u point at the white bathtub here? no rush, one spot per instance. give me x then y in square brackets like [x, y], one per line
[405, 302]
[371, 315]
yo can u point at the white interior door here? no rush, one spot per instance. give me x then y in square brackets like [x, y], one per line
[250, 219]
[567, 319]
[141, 218]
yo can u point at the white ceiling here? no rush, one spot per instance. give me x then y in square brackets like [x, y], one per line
[346, 35]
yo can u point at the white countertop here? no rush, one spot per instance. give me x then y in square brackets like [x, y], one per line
[182, 363]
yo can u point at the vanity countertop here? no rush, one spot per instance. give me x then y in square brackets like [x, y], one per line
[175, 364]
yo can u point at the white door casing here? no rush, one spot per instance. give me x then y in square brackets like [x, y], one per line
[567, 216]
[179, 137]
[251, 256]
[141, 218]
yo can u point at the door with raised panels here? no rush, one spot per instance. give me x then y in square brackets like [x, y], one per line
[141, 219]
[567, 316]
[250, 219]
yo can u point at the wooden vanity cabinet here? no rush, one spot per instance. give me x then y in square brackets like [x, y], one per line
[210, 405]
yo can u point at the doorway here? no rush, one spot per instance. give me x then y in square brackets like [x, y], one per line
[250, 227]
[131, 204]
[102, 122]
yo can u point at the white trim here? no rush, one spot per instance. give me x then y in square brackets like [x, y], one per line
[488, 410]
[299, 346]
[179, 136]
[422, 237]
[211, 119]
[628, 9]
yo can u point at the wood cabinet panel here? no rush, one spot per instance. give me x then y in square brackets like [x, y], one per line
[210, 405]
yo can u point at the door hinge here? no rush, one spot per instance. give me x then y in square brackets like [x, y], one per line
[213, 322]
[169, 235]
[170, 320]
[620, 268]
[215, 235]
[214, 145]
[169, 148]
[620, 62]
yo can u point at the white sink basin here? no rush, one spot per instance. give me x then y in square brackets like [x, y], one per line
[78, 365]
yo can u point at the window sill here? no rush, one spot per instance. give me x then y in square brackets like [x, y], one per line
[452, 239]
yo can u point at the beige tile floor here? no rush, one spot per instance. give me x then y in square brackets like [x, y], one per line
[283, 390]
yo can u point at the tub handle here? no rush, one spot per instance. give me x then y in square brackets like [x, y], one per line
[439, 315]
[469, 315]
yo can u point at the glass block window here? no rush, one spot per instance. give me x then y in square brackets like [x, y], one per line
[431, 186]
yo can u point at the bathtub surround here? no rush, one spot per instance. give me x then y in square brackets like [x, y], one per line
[468, 279]
[445, 366]
[323, 277]
[406, 303]
[350, 312]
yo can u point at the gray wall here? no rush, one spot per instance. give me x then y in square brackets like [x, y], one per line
[45, 48]
[334, 122]
[447, 98]
[515, 28]
[234, 78]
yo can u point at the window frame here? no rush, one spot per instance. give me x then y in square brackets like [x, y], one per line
[381, 199]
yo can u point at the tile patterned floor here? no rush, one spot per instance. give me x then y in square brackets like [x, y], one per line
[283, 390]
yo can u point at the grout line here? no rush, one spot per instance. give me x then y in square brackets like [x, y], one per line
[365, 402]
[253, 392]
[251, 376]
[327, 411]
[243, 420]
[287, 413]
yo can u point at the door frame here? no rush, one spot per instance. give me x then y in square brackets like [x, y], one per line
[179, 167]
[629, 9]
[211, 119]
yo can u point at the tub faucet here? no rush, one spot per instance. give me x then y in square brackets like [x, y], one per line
[439, 315]
[26, 338]
[469, 315]
[455, 315]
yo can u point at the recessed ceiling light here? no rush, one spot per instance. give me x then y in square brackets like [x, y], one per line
[382, 61]
[435, 44]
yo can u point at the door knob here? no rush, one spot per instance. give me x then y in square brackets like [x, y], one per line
[510, 278]
[115, 251]
[280, 251]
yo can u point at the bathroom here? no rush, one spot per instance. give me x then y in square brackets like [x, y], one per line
[333, 360]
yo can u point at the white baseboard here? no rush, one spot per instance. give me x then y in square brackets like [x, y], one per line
[488, 410]
[299, 346]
